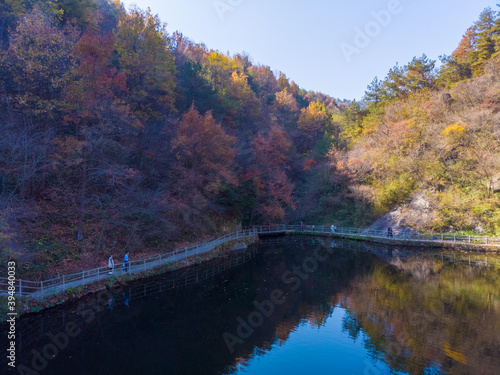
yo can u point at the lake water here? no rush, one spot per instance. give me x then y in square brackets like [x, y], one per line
[293, 305]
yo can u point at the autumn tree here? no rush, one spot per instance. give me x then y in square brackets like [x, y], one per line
[283, 81]
[10, 12]
[94, 109]
[286, 109]
[220, 68]
[185, 50]
[111, 13]
[247, 104]
[476, 47]
[202, 169]
[237, 102]
[37, 66]
[352, 121]
[35, 71]
[142, 46]
[274, 187]
[81, 10]
[264, 83]
[312, 123]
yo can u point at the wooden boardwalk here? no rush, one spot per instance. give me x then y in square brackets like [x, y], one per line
[39, 289]
[410, 238]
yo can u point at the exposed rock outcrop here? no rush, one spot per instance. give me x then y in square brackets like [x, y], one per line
[409, 217]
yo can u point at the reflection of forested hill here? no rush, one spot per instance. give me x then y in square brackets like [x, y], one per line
[449, 315]
[186, 324]
[446, 318]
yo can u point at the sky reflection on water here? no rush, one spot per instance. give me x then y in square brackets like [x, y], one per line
[358, 309]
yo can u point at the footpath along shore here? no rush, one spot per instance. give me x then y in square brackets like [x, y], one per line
[34, 296]
[47, 293]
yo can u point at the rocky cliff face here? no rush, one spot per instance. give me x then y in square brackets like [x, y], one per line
[415, 215]
[420, 213]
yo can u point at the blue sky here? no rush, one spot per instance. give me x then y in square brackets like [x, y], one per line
[335, 47]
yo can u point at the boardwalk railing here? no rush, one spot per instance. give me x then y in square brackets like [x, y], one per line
[60, 283]
[396, 235]
[38, 329]
[55, 285]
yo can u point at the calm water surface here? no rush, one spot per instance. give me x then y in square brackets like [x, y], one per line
[291, 306]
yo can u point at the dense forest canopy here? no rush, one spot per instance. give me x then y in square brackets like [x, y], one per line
[118, 134]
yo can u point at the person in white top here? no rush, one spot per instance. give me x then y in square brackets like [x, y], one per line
[111, 264]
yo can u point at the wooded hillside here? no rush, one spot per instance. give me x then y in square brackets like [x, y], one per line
[118, 135]
[433, 135]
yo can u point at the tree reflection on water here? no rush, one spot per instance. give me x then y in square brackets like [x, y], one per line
[447, 315]
[411, 310]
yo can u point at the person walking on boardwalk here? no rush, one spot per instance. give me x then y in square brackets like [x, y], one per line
[125, 262]
[389, 232]
[331, 228]
[111, 264]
